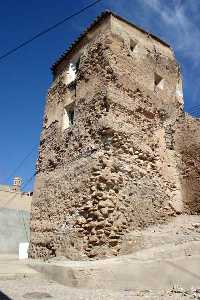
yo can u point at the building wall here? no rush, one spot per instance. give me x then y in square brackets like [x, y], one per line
[14, 229]
[116, 169]
[15, 200]
[187, 137]
[14, 219]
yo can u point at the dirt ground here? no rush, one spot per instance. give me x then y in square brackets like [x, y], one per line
[39, 288]
[170, 252]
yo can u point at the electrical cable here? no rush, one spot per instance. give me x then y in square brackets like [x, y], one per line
[195, 107]
[47, 30]
[8, 53]
[194, 112]
[29, 41]
[13, 173]
[198, 105]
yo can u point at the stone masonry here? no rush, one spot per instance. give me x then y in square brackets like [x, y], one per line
[117, 152]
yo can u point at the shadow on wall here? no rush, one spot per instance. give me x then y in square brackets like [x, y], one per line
[4, 296]
[188, 144]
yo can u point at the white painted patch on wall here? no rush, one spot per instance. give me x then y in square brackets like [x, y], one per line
[179, 89]
[68, 116]
[23, 250]
[71, 72]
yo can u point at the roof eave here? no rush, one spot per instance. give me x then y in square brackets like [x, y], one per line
[95, 22]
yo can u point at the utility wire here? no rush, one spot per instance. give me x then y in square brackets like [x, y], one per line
[47, 30]
[28, 180]
[195, 115]
[8, 53]
[195, 107]
[29, 41]
[21, 163]
[194, 111]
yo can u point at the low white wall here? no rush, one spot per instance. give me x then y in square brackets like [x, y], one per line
[12, 229]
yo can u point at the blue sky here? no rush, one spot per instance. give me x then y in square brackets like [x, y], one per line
[25, 76]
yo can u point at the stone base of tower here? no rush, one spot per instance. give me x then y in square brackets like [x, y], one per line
[115, 182]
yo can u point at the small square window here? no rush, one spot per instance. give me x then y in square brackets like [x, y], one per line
[133, 45]
[158, 81]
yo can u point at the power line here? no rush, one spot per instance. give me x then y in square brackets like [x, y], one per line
[21, 163]
[196, 114]
[28, 181]
[197, 105]
[194, 107]
[47, 30]
[194, 111]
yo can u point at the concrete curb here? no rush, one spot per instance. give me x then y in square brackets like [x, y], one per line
[126, 273]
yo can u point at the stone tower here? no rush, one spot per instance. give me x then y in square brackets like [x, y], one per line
[108, 162]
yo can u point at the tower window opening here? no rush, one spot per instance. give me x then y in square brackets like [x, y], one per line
[133, 44]
[72, 71]
[71, 117]
[68, 116]
[158, 81]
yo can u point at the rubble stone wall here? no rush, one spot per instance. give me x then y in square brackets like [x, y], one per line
[117, 168]
[187, 137]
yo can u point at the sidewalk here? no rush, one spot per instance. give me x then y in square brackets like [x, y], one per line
[18, 281]
[12, 268]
